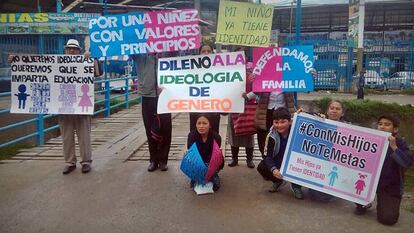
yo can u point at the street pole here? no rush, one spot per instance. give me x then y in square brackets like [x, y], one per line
[298, 20]
[297, 37]
[361, 23]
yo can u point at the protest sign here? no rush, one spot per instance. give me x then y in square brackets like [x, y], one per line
[193, 165]
[202, 83]
[335, 158]
[283, 69]
[140, 33]
[52, 84]
[246, 24]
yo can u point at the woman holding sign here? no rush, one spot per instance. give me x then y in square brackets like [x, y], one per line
[206, 49]
[207, 143]
[244, 139]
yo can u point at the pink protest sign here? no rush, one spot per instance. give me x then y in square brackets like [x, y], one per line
[335, 158]
[283, 69]
[215, 162]
[140, 33]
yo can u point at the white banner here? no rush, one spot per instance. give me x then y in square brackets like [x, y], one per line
[52, 84]
[202, 83]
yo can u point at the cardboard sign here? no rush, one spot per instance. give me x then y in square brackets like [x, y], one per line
[140, 33]
[202, 83]
[246, 24]
[283, 69]
[52, 84]
[335, 158]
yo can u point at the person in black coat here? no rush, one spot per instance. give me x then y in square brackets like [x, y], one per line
[361, 85]
[391, 182]
[204, 138]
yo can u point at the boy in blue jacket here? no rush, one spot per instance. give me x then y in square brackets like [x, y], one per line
[391, 182]
[276, 143]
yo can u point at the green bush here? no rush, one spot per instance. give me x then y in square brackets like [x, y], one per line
[408, 91]
[367, 111]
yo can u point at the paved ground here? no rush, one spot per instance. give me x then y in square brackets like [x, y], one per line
[119, 195]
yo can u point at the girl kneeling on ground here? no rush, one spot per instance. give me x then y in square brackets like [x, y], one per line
[204, 138]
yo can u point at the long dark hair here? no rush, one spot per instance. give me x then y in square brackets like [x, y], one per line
[209, 45]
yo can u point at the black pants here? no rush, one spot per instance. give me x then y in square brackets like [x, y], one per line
[158, 151]
[388, 208]
[261, 134]
[214, 119]
[268, 175]
[235, 153]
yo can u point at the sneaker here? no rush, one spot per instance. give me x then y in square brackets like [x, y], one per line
[276, 186]
[250, 164]
[86, 168]
[68, 169]
[362, 209]
[297, 192]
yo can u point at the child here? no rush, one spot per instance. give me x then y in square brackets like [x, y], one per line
[391, 182]
[276, 146]
[204, 138]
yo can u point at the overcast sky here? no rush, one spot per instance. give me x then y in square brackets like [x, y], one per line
[322, 2]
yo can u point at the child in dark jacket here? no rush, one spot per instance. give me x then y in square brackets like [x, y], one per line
[276, 143]
[391, 182]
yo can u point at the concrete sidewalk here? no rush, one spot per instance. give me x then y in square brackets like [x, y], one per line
[124, 197]
[119, 195]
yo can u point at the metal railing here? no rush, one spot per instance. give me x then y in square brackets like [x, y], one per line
[105, 87]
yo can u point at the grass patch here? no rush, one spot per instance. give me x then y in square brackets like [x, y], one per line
[411, 208]
[409, 179]
[367, 111]
[408, 91]
[10, 151]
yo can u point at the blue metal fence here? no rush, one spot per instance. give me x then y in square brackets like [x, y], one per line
[389, 65]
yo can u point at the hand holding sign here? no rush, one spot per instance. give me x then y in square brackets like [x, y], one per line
[277, 174]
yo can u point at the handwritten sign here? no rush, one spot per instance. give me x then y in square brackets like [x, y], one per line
[283, 69]
[246, 24]
[52, 84]
[335, 158]
[140, 33]
[203, 83]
